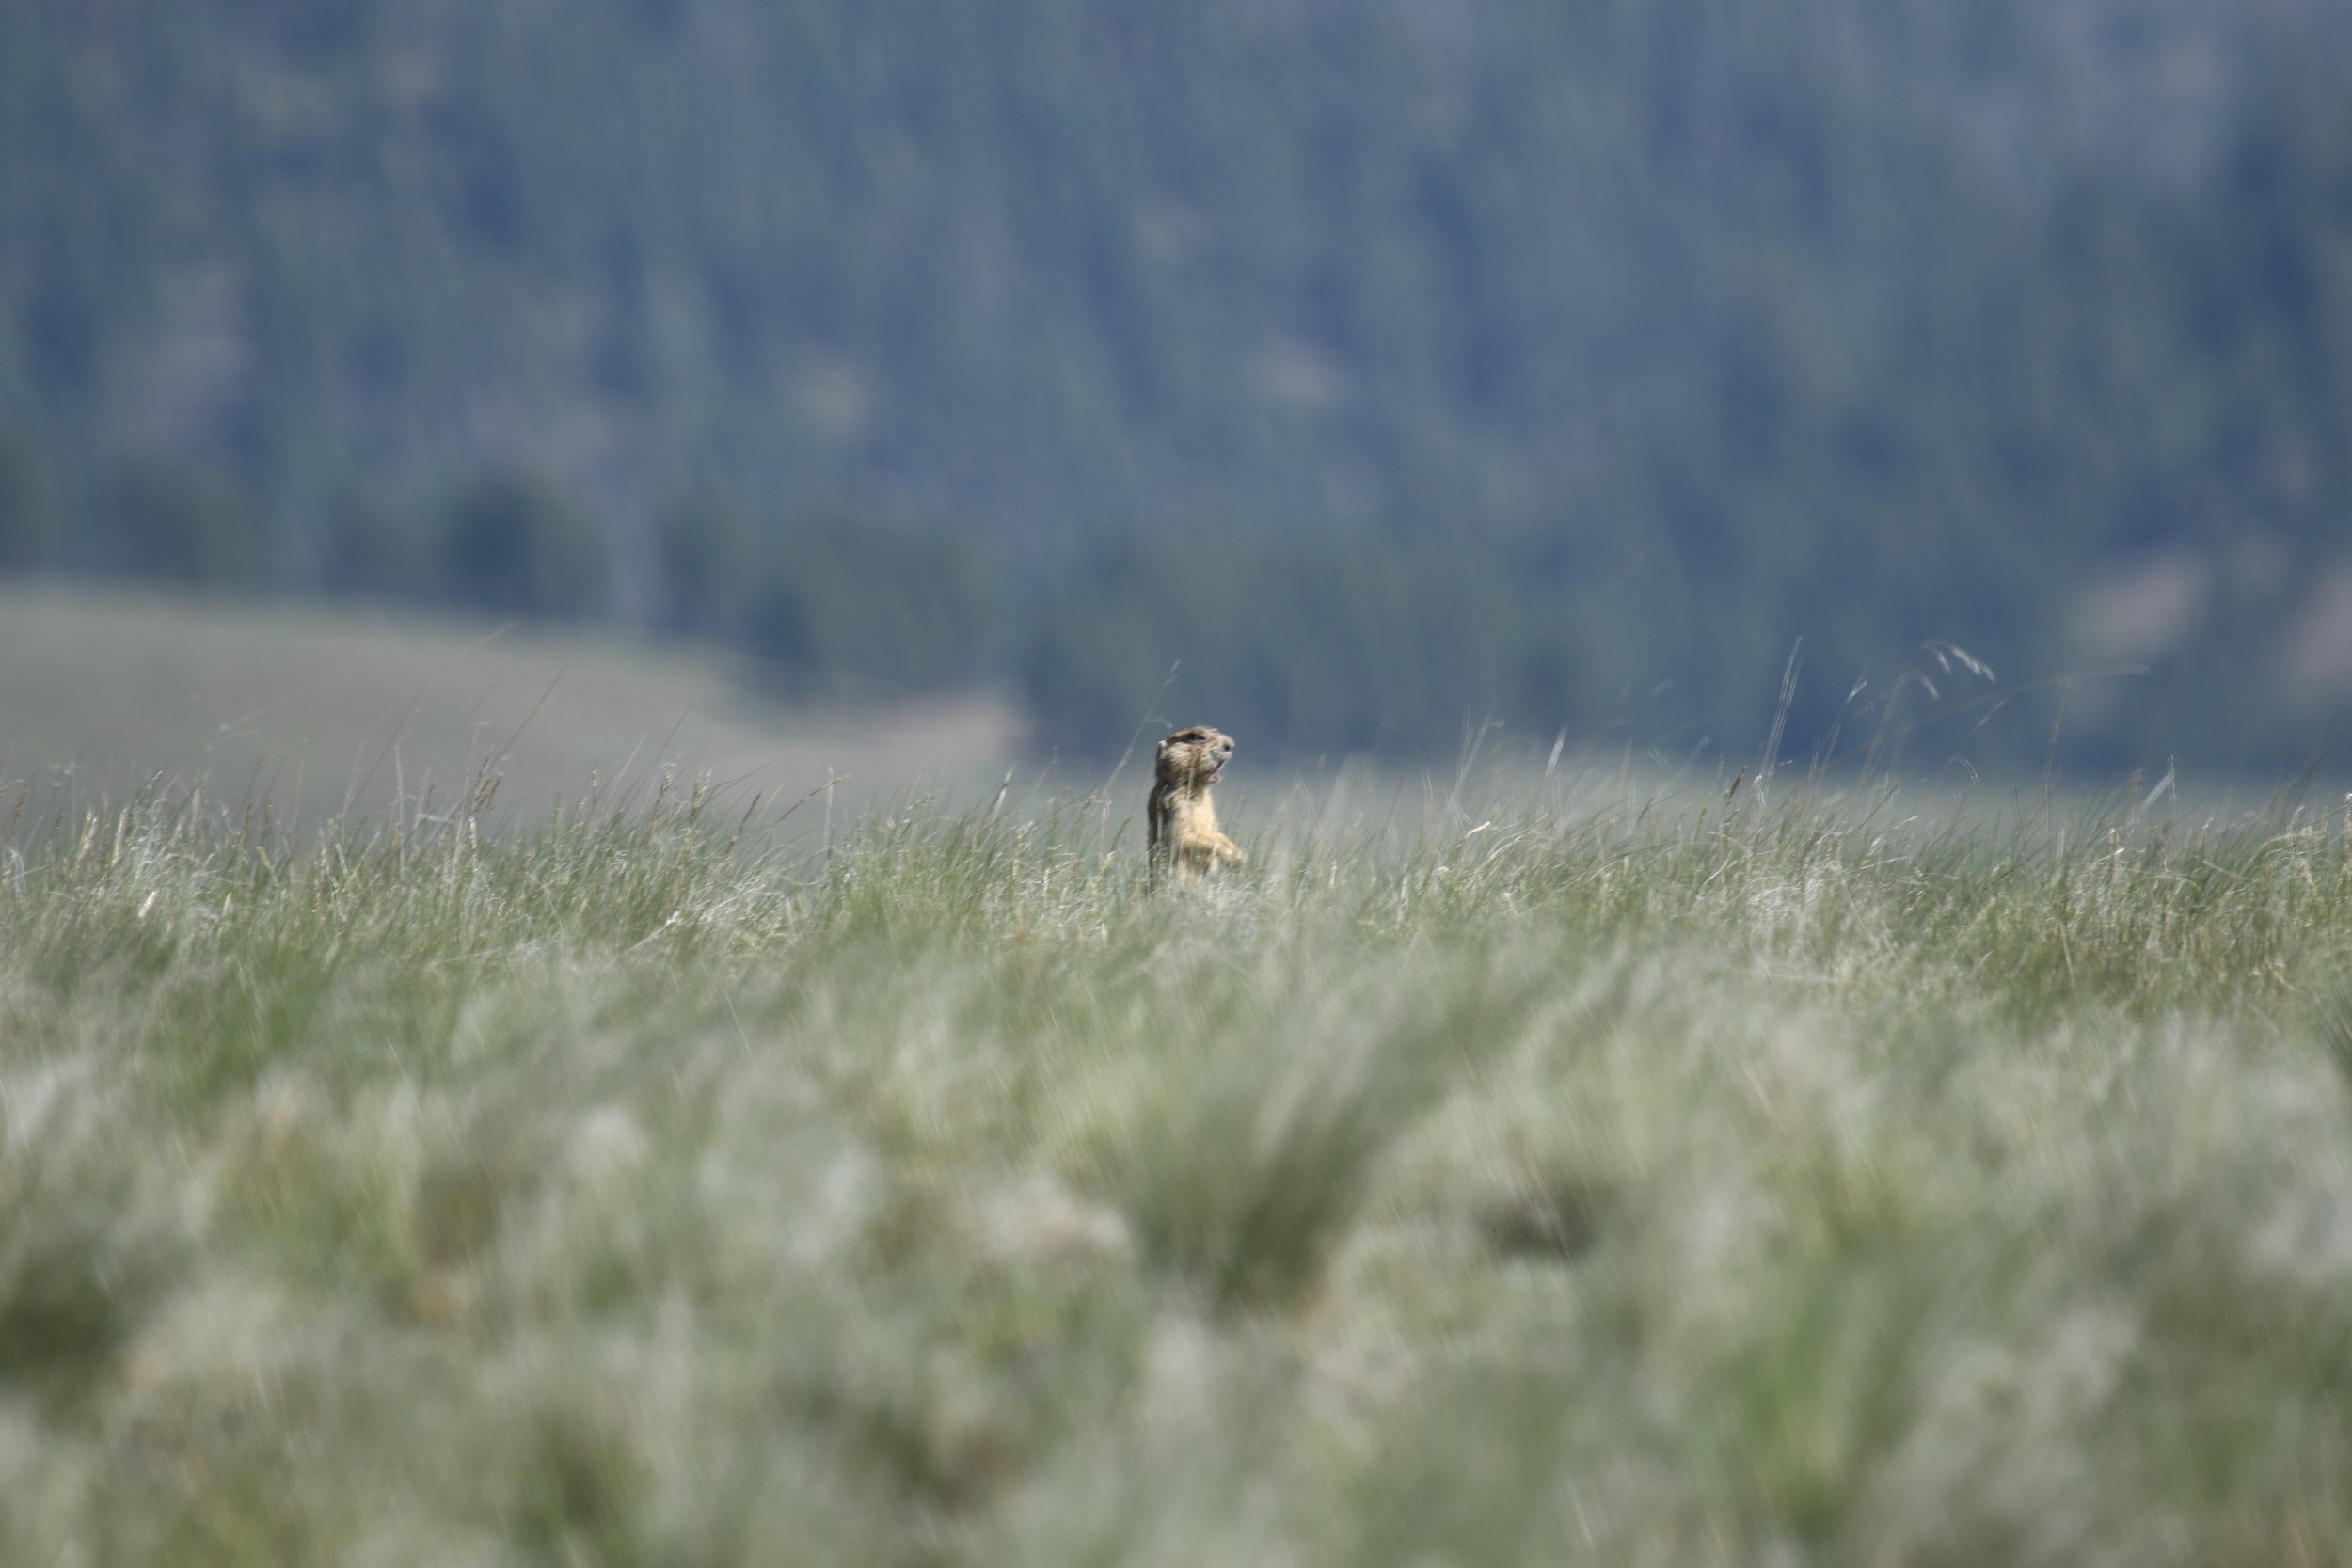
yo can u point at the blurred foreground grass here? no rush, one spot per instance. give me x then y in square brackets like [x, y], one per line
[1670, 1181]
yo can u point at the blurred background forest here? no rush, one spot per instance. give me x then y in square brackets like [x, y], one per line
[1395, 365]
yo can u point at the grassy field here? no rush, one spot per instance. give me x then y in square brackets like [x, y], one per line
[1544, 1177]
[332, 709]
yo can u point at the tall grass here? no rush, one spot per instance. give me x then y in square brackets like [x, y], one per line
[1539, 1177]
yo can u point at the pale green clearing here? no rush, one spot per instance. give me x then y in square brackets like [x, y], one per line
[1547, 1177]
[106, 693]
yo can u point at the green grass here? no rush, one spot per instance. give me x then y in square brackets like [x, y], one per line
[1657, 1182]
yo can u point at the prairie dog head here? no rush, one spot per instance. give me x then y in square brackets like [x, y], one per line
[1193, 758]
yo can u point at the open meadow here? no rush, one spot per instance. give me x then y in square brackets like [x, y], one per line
[590, 592]
[349, 709]
[1547, 1176]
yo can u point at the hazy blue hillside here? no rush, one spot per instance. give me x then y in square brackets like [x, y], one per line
[1389, 363]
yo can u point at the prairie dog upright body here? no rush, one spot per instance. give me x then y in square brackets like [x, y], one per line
[1184, 831]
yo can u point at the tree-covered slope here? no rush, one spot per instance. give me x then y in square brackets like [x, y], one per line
[1385, 362]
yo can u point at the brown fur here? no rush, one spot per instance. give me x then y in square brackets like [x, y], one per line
[1183, 819]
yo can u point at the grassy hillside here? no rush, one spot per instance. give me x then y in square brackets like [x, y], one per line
[1672, 1180]
[325, 708]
